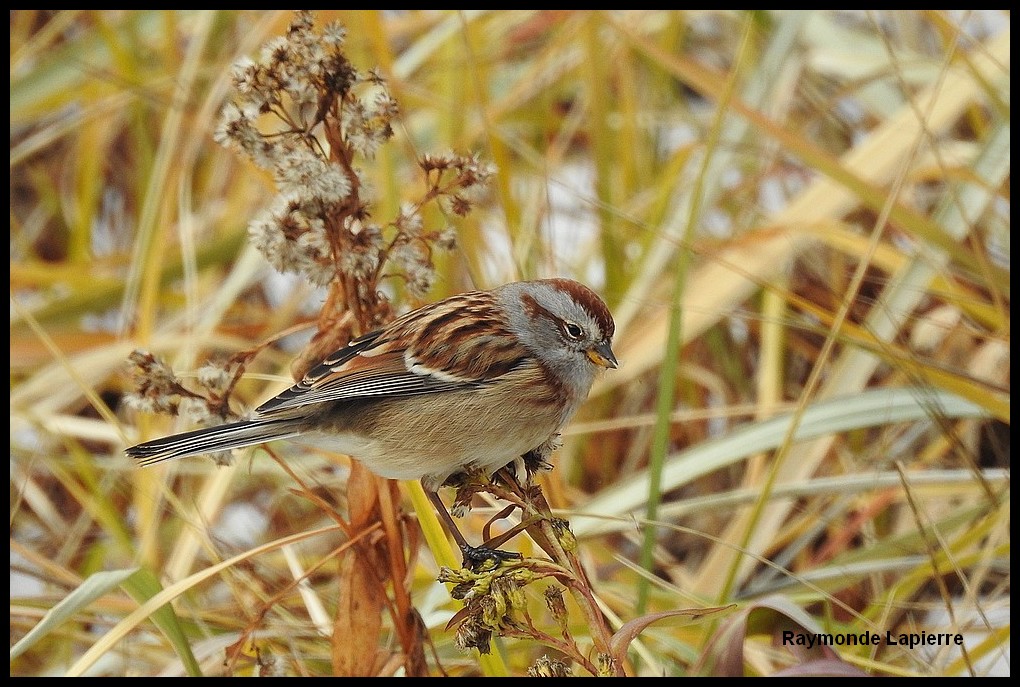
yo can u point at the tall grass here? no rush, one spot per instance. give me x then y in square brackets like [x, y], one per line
[812, 209]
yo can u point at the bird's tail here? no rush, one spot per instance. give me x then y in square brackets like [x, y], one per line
[212, 439]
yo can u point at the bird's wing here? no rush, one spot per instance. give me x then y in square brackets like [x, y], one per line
[372, 367]
[446, 346]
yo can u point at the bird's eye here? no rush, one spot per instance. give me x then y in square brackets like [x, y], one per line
[572, 331]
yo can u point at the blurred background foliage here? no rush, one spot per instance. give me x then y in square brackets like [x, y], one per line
[801, 223]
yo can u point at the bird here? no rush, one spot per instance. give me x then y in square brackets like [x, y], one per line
[468, 383]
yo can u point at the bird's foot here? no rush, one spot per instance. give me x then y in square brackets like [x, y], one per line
[475, 556]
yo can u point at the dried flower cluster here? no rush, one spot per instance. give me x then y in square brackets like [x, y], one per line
[306, 114]
[493, 597]
[495, 603]
[549, 667]
[160, 390]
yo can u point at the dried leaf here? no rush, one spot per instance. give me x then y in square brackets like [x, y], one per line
[826, 667]
[724, 655]
[358, 619]
[620, 641]
[362, 497]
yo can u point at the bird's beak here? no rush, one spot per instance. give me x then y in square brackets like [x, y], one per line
[602, 355]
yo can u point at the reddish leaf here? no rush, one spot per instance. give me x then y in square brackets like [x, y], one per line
[724, 655]
[358, 619]
[826, 667]
[620, 641]
[362, 497]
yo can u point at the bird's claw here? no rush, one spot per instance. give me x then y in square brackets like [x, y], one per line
[476, 555]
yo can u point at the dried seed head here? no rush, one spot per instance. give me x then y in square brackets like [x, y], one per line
[549, 667]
